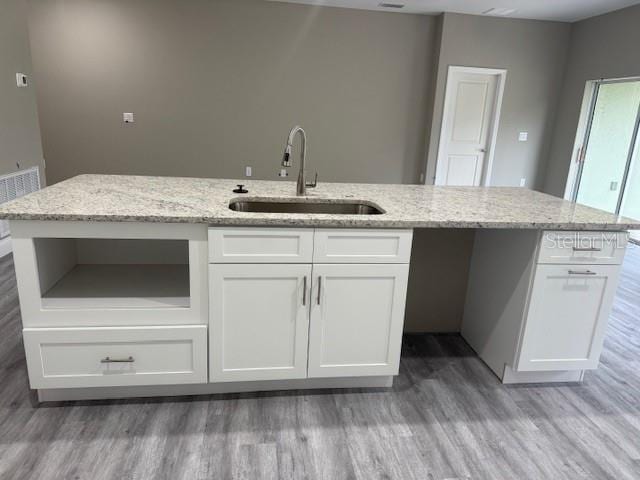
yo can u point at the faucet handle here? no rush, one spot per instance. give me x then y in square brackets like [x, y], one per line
[313, 184]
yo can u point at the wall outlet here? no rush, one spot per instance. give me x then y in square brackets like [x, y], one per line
[422, 177]
[523, 136]
[128, 118]
[523, 182]
[247, 171]
[283, 173]
[22, 80]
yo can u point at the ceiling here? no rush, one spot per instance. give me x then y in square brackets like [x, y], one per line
[558, 10]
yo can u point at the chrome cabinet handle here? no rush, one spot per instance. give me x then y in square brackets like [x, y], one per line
[587, 249]
[319, 288]
[117, 360]
[585, 272]
[304, 291]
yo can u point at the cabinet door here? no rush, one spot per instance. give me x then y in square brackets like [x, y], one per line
[567, 318]
[357, 314]
[259, 321]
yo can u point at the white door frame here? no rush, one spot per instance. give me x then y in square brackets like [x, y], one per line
[497, 107]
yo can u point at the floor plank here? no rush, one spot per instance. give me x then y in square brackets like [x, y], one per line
[447, 417]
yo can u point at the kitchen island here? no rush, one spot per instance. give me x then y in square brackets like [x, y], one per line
[138, 286]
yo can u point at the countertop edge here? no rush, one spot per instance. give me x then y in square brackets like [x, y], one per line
[325, 223]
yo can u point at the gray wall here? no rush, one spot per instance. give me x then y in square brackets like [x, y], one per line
[19, 131]
[440, 260]
[216, 85]
[534, 54]
[600, 47]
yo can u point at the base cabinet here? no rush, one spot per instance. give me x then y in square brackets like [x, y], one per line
[259, 321]
[567, 317]
[538, 303]
[288, 320]
[356, 319]
[301, 307]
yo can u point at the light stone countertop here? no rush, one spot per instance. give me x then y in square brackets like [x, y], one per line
[114, 198]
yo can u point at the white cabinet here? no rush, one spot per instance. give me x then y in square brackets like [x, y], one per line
[567, 318]
[283, 317]
[357, 316]
[538, 303]
[259, 321]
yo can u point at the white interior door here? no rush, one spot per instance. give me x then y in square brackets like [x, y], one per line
[471, 104]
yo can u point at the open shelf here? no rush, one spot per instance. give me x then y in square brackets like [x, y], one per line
[120, 286]
[113, 273]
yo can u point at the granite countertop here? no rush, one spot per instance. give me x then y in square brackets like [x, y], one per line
[117, 198]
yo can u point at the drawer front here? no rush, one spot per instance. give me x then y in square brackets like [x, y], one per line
[114, 356]
[588, 248]
[362, 246]
[260, 245]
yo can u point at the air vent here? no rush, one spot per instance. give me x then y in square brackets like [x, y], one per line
[15, 185]
[499, 12]
[391, 5]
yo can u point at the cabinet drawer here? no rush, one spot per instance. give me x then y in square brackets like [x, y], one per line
[260, 245]
[362, 246]
[590, 248]
[110, 356]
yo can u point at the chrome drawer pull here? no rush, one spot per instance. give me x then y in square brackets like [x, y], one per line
[117, 360]
[586, 249]
[304, 291]
[585, 272]
[319, 289]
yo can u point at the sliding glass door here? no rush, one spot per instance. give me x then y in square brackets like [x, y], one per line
[630, 205]
[609, 177]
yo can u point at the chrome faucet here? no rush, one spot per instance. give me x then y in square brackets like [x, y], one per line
[302, 185]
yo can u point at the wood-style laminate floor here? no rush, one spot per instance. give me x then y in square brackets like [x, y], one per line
[447, 417]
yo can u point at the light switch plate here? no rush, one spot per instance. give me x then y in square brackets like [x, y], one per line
[523, 136]
[22, 80]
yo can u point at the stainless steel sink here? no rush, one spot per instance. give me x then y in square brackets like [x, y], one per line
[344, 208]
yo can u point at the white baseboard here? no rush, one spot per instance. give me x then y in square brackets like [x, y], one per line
[511, 377]
[5, 246]
[99, 393]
